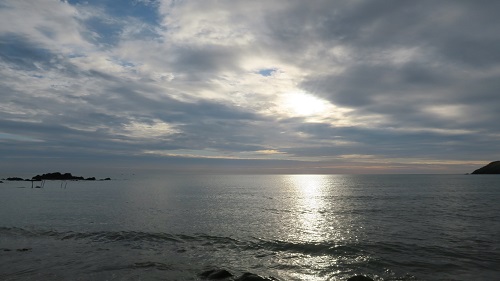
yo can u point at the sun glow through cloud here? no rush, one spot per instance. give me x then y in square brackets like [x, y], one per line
[303, 104]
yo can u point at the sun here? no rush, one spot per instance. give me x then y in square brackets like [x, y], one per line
[303, 104]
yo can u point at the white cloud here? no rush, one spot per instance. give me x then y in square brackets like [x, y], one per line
[52, 24]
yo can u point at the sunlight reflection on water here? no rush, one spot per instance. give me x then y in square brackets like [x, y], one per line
[310, 205]
[324, 223]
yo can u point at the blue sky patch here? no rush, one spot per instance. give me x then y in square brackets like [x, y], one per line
[145, 11]
[267, 71]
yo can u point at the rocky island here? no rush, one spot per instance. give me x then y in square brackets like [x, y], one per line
[55, 176]
[491, 168]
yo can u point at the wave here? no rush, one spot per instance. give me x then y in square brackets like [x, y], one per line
[252, 244]
[97, 236]
[262, 248]
[307, 248]
[117, 236]
[323, 257]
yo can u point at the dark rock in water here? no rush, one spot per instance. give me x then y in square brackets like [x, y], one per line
[24, 250]
[216, 274]
[359, 278]
[253, 277]
[492, 168]
[90, 179]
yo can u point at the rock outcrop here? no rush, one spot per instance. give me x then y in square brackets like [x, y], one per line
[215, 274]
[56, 176]
[222, 274]
[254, 277]
[491, 168]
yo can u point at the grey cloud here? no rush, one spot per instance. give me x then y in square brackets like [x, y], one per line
[371, 25]
[391, 143]
[201, 63]
[19, 52]
[367, 85]
[58, 140]
[454, 32]
[203, 124]
[402, 94]
[106, 31]
[148, 100]
[456, 43]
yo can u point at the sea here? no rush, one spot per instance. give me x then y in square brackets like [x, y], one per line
[288, 227]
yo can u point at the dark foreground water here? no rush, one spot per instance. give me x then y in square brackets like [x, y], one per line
[301, 227]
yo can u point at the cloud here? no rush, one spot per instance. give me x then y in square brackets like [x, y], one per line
[303, 82]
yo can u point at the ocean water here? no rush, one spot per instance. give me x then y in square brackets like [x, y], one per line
[290, 227]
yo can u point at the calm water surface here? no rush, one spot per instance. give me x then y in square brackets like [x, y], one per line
[298, 227]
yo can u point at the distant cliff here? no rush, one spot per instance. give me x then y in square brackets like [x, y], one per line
[492, 168]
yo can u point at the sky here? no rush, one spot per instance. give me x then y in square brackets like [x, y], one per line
[228, 86]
